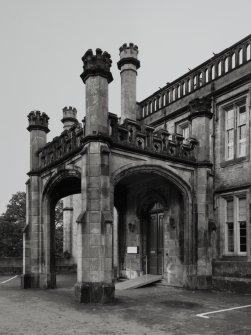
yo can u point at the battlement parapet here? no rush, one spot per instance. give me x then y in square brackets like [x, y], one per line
[97, 65]
[130, 135]
[146, 139]
[61, 146]
[38, 121]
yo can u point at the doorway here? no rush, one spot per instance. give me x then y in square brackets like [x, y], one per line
[155, 250]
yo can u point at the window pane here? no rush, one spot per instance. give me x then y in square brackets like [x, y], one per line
[242, 209]
[243, 236]
[230, 237]
[242, 131]
[242, 224]
[230, 144]
[230, 119]
[242, 115]
[185, 132]
[230, 210]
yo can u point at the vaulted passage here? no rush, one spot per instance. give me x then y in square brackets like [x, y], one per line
[55, 259]
[150, 235]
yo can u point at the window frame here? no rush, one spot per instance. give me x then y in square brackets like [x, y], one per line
[235, 197]
[235, 106]
[180, 126]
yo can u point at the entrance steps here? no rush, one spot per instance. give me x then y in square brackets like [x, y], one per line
[137, 282]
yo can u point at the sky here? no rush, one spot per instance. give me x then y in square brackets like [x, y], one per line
[42, 42]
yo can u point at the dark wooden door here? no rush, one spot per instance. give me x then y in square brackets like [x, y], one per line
[155, 244]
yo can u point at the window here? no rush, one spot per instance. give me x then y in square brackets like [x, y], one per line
[236, 225]
[184, 130]
[235, 131]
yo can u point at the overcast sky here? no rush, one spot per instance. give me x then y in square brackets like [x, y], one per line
[42, 42]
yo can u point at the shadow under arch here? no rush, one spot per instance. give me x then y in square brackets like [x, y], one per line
[64, 183]
[153, 169]
[135, 173]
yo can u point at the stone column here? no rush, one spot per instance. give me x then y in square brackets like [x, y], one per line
[95, 268]
[67, 224]
[38, 128]
[69, 119]
[200, 115]
[128, 65]
[96, 76]
[200, 118]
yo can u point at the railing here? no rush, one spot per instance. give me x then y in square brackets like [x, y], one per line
[222, 63]
[146, 138]
[61, 146]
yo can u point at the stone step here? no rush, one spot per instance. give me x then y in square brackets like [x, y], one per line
[138, 282]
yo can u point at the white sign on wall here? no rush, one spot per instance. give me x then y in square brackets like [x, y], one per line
[132, 250]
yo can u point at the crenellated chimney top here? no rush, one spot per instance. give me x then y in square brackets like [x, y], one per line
[128, 66]
[128, 55]
[69, 117]
[38, 121]
[97, 65]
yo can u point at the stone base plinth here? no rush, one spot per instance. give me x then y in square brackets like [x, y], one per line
[38, 280]
[26, 280]
[204, 282]
[199, 282]
[94, 292]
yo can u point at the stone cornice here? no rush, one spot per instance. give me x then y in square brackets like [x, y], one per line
[128, 60]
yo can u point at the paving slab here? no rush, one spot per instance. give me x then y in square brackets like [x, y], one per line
[149, 310]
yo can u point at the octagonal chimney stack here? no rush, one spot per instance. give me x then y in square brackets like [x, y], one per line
[96, 77]
[128, 65]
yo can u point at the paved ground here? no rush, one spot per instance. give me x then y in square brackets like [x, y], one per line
[149, 310]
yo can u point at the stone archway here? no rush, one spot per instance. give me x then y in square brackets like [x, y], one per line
[137, 190]
[63, 184]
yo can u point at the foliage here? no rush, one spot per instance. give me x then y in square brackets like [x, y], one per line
[12, 223]
[16, 208]
[59, 228]
[11, 238]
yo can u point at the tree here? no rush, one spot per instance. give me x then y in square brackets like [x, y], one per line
[59, 233]
[16, 208]
[12, 223]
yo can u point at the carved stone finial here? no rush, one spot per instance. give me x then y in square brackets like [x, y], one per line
[128, 55]
[97, 65]
[38, 121]
[200, 107]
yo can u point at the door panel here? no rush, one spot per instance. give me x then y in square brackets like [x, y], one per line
[152, 256]
[155, 244]
[160, 246]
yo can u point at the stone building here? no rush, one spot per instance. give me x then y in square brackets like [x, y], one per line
[165, 189]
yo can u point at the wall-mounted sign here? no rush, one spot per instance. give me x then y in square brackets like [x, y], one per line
[132, 250]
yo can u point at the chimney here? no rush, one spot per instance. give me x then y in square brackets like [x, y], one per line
[38, 128]
[96, 77]
[69, 117]
[128, 65]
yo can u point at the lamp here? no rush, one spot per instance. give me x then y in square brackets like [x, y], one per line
[131, 226]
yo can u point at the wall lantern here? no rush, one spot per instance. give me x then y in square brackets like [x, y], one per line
[131, 226]
[172, 222]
